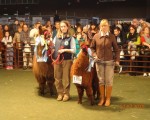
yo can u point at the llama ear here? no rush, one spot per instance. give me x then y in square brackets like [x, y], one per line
[84, 48]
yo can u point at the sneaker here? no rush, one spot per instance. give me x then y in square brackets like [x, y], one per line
[59, 98]
[145, 74]
[66, 98]
[148, 74]
[11, 67]
[7, 67]
[25, 67]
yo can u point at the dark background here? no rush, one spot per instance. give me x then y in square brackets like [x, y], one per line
[84, 8]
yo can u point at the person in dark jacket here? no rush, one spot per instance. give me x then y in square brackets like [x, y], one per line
[105, 59]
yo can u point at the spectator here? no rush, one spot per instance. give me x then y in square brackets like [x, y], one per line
[21, 23]
[136, 23]
[14, 27]
[145, 39]
[120, 38]
[25, 39]
[71, 30]
[48, 23]
[79, 38]
[7, 40]
[1, 46]
[91, 32]
[6, 28]
[133, 41]
[125, 27]
[33, 34]
[142, 22]
[116, 24]
[56, 28]
[18, 46]
[1, 36]
[1, 32]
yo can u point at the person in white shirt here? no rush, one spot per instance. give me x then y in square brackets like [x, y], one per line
[7, 40]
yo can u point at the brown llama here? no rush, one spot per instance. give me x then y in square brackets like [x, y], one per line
[43, 71]
[89, 79]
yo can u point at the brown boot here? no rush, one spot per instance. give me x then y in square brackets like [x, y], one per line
[102, 95]
[108, 95]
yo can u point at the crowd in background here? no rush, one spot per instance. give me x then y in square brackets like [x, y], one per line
[132, 38]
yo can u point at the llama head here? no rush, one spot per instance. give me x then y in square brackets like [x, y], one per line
[84, 48]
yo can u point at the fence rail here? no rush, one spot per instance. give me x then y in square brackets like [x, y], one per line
[22, 58]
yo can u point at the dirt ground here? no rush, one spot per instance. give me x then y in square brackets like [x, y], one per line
[19, 100]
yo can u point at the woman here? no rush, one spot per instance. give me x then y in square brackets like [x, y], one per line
[133, 40]
[80, 37]
[64, 46]
[25, 39]
[8, 42]
[18, 46]
[91, 32]
[105, 59]
[7, 28]
[145, 39]
[1, 46]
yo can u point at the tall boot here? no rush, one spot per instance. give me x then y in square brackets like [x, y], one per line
[108, 95]
[102, 95]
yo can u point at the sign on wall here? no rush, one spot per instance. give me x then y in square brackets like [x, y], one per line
[84, 22]
[3, 21]
[36, 19]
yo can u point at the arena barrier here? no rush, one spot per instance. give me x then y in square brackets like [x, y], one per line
[131, 63]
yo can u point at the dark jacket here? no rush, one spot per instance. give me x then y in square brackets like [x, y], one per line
[105, 47]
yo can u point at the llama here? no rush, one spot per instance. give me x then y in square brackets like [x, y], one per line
[43, 68]
[79, 70]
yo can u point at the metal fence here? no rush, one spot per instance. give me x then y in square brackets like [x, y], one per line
[133, 64]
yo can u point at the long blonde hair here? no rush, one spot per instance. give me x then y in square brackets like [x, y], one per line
[59, 33]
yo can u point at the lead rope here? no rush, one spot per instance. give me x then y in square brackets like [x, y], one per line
[57, 61]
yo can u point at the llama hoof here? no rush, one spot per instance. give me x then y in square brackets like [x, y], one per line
[25, 67]
[92, 103]
[79, 102]
[41, 93]
[52, 94]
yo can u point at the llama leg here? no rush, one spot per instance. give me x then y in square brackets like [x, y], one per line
[42, 84]
[80, 94]
[95, 84]
[51, 87]
[94, 89]
[41, 90]
[89, 93]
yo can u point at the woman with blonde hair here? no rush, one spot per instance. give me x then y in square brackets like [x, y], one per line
[64, 48]
[106, 53]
